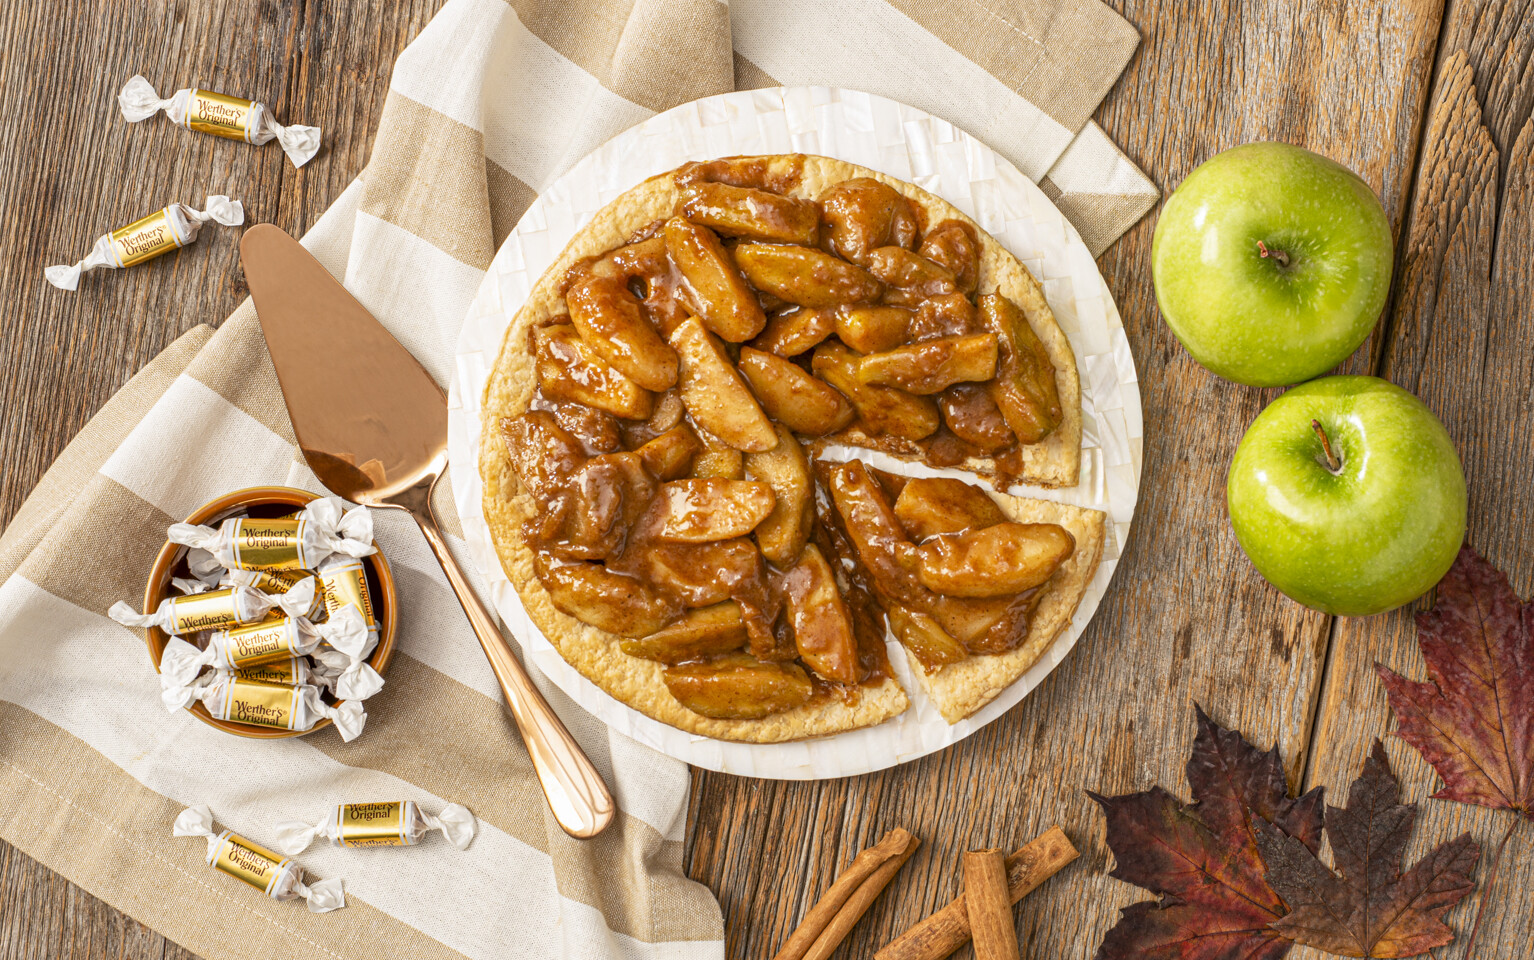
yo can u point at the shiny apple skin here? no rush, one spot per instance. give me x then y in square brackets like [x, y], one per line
[1379, 533]
[1247, 317]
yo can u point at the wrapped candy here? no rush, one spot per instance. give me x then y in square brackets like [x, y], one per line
[218, 114]
[397, 824]
[299, 542]
[215, 609]
[274, 875]
[161, 232]
[290, 671]
[345, 583]
[271, 581]
[238, 648]
[284, 707]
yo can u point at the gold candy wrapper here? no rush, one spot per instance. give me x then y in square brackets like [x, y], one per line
[399, 823]
[274, 875]
[238, 650]
[279, 706]
[217, 609]
[302, 542]
[219, 114]
[345, 583]
[161, 232]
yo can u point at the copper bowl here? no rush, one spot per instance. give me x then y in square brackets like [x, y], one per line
[264, 502]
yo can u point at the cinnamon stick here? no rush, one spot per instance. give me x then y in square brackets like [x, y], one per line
[948, 929]
[988, 905]
[832, 917]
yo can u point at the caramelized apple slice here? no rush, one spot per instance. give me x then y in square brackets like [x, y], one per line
[1011, 629]
[870, 329]
[786, 470]
[671, 454]
[924, 637]
[874, 531]
[712, 287]
[928, 506]
[597, 430]
[698, 574]
[953, 244]
[738, 686]
[880, 409]
[612, 323]
[748, 212]
[950, 315]
[715, 395]
[666, 412]
[703, 632]
[808, 277]
[608, 494]
[974, 418]
[792, 331]
[543, 454]
[969, 619]
[718, 459]
[909, 277]
[932, 365]
[790, 396]
[568, 369]
[609, 601]
[1025, 389]
[994, 561]
[864, 213]
[821, 622]
[698, 511]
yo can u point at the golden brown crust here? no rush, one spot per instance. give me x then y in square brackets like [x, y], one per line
[638, 682]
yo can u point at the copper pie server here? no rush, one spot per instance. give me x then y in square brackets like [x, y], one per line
[372, 423]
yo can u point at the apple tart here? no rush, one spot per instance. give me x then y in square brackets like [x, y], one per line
[653, 439]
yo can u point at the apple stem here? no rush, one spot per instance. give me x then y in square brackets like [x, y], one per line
[1279, 255]
[1332, 463]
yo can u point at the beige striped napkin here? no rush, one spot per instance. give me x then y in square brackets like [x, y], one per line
[492, 101]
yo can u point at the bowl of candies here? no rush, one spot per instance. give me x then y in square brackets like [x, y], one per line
[270, 613]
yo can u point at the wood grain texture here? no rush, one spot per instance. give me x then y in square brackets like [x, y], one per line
[1187, 619]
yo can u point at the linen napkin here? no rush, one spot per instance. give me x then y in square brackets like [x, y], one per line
[488, 104]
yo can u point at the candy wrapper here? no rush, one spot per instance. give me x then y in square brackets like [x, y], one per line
[281, 706]
[161, 232]
[291, 671]
[301, 542]
[239, 649]
[345, 584]
[216, 609]
[219, 114]
[397, 824]
[274, 875]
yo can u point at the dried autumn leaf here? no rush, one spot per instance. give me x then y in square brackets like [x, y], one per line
[1372, 909]
[1202, 858]
[1473, 719]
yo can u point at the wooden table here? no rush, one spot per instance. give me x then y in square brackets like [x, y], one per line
[1429, 100]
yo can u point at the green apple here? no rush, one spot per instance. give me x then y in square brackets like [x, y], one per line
[1348, 496]
[1271, 263]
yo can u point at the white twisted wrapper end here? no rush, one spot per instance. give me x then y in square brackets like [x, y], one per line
[349, 532]
[176, 694]
[322, 896]
[67, 276]
[350, 675]
[300, 143]
[295, 836]
[124, 613]
[181, 663]
[196, 822]
[201, 540]
[297, 602]
[455, 822]
[216, 207]
[348, 716]
[139, 101]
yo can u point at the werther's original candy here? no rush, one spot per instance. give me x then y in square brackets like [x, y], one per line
[161, 232]
[399, 823]
[272, 874]
[239, 648]
[216, 609]
[279, 706]
[301, 542]
[220, 115]
[345, 583]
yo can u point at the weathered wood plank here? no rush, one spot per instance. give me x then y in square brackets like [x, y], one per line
[1460, 340]
[1188, 619]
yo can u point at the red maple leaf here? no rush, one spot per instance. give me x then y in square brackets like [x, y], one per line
[1373, 909]
[1203, 858]
[1473, 719]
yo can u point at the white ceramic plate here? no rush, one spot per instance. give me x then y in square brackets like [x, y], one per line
[902, 142]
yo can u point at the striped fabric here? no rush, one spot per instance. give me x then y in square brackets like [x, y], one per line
[489, 103]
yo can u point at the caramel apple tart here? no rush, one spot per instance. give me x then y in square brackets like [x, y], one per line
[656, 431]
